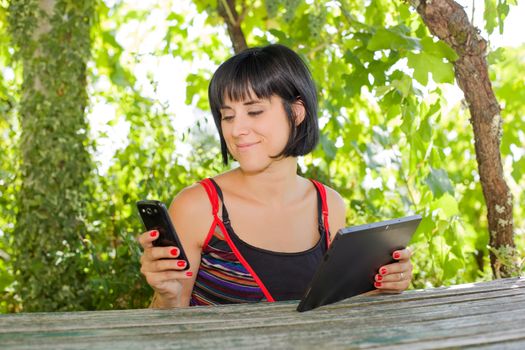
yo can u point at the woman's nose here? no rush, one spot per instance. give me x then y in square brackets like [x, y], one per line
[240, 126]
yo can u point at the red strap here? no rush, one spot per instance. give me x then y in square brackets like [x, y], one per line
[324, 207]
[214, 200]
[212, 195]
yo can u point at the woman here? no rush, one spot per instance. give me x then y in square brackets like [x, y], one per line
[257, 232]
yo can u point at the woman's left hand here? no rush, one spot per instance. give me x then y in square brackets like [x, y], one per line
[396, 277]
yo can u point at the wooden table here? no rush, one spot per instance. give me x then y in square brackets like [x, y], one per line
[489, 315]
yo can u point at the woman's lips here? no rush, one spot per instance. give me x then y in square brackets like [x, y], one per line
[246, 145]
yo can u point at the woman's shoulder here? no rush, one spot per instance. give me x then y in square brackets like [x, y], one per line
[191, 213]
[333, 197]
[192, 199]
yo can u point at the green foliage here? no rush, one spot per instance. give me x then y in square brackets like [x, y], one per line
[392, 143]
[148, 166]
[506, 67]
[495, 13]
[47, 243]
[9, 181]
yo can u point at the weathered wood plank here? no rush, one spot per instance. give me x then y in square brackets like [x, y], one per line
[460, 316]
[506, 345]
[467, 291]
[279, 337]
[444, 309]
[108, 320]
[378, 320]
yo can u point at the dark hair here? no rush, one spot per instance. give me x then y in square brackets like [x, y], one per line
[270, 70]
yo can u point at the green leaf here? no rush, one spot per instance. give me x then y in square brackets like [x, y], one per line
[354, 82]
[496, 56]
[439, 182]
[425, 228]
[518, 169]
[490, 15]
[451, 268]
[434, 108]
[421, 68]
[385, 39]
[503, 11]
[438, 49]
[448, 204]
[425, 130]
[404, 85]
[423, 63]
[328, 146]
[279, 35]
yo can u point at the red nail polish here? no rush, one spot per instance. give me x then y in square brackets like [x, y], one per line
[189, 273]
[379, 277]
[174, 251]
[377, 284]
[383, 271]
[181, 263]
[153, 233]
[397, 255]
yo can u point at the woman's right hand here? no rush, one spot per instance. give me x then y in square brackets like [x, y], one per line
[162, 270]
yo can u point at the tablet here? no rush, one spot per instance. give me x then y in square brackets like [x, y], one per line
[349, 266]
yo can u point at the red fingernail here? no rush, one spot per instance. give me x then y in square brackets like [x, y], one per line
[377, 284]
[383, 271]
[189, 273]
[181, 263]
[174, 251]
[379, 277]
[397, 255]
[153, 233]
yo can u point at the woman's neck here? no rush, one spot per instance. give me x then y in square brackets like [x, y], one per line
[276, 186]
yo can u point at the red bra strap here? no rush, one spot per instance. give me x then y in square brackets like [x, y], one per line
[214, 201]
[322, 192]
[212, 195]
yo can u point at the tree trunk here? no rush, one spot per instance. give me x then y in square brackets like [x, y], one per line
[233, 21]
[448, 21]
[53, 43]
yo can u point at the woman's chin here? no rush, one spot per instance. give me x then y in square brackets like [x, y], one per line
[253, 168]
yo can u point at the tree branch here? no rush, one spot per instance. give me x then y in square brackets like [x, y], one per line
[232, 19]
[228, 12]
[448, 21]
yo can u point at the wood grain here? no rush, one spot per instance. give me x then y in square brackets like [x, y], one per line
[487, 315]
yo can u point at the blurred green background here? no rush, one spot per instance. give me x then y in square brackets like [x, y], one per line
[112, 108]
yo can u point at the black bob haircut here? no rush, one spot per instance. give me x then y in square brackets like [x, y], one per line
[266, 71]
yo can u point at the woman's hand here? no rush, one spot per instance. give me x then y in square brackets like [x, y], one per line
[396, 277]
[162, 270]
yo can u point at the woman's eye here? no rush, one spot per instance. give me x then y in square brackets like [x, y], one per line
[254, 113]
[227, 117]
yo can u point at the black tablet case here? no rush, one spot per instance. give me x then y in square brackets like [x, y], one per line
[349, 266]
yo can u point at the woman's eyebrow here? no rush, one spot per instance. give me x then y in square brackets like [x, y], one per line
[247, 103]
[252, 102]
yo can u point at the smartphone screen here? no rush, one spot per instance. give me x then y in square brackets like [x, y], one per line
[154, 215]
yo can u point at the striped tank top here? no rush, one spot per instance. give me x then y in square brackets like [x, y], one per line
[224, 275]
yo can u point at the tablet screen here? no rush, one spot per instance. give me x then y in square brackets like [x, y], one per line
[349, 266]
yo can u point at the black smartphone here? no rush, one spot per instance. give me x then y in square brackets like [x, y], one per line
[154, 215]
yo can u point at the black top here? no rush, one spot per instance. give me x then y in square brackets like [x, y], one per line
[285, 275]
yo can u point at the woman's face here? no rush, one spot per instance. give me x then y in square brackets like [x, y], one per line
[255, 130]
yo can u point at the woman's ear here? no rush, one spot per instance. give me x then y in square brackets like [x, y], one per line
[299, 111]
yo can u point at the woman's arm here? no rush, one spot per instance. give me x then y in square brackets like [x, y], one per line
[190, 213]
